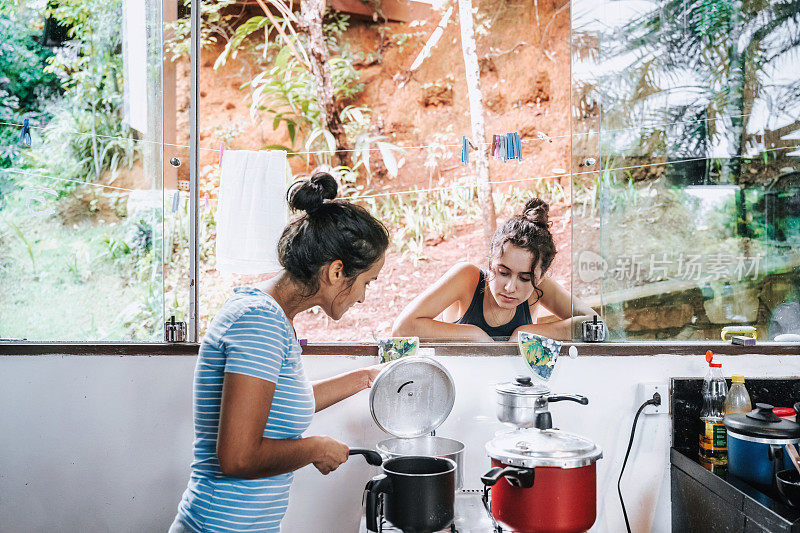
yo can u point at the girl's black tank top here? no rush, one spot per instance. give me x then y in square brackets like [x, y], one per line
[474, 314]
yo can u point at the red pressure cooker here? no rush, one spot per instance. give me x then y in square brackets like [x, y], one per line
[542, 481]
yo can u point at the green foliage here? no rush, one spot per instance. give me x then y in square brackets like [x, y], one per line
[24, 85]
[215, 24]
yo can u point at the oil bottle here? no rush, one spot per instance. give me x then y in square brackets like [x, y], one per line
[713, 437]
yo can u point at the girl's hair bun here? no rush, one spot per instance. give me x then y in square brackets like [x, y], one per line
[310, 194]
[537, 211]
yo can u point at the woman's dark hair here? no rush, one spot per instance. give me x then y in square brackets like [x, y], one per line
[529, 230]
[329, 229]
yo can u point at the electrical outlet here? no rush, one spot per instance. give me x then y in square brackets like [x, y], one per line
[645, 391]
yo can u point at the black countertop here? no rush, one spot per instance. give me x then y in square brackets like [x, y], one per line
[709, 502]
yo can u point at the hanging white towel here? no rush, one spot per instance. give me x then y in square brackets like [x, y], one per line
[252, 211]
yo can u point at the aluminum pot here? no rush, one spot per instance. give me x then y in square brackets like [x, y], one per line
[755, 445]
[542, 481]
[428, 446]
[525, 404]
[418, 494]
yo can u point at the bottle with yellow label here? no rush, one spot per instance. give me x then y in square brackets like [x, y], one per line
[713, 437]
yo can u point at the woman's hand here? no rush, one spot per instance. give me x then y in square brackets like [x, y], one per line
[330, 454]
[371, 374]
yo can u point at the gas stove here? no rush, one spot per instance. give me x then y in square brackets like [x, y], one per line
[471, 516]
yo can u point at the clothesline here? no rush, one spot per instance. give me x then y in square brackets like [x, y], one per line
[436, 189]
[541, 138]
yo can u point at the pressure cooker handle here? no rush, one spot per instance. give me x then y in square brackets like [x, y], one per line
[583, 400]
[518, 477]
[374, 488]
[373, 458]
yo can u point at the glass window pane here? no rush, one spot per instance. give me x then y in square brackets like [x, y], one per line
[689, 224]
[81, 204]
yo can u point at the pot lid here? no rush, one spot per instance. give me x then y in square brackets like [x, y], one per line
[523, 386]
[412, 396]
[762, 422]
[549, 447]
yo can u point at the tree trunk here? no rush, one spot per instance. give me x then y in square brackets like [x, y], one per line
[734, 107]
[311, 24]
[476, 117]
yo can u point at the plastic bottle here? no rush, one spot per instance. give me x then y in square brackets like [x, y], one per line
[737, 401]
[713, 437]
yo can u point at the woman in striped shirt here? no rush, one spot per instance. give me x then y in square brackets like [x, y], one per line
[252, 401]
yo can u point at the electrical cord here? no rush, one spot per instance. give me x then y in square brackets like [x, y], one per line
[656, 401]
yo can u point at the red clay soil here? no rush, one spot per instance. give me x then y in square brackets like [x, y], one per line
[524, 90]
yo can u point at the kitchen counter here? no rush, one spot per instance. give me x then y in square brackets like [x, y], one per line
[709, 503]
[706, 502]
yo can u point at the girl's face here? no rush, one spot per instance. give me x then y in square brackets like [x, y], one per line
[510, 276]
[345, 297]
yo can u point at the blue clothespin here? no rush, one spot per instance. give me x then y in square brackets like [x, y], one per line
[175, 200]
[25, 134]
[518, 144]
[512, 146]
[464, 150]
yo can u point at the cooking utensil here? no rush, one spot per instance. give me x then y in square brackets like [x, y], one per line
[525, 404]
[788, 482]
[373, 458]
[542, 481]
[755, 444]
[418, 494]
[410, 398]
[430, 446]
[795, 458]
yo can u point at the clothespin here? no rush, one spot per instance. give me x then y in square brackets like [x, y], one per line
[175, 200]
[512, 146]
[518, 143]
[496, 147]
[221, 151]
[25, 134]
[464, 150]
[205, 201]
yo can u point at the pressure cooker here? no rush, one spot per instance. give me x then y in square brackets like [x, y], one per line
[542, 480]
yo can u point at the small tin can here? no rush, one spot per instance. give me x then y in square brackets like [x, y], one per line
[594, 330]
[174, 331]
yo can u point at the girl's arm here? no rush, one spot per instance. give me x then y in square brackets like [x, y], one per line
[242, 449]
[419, 316]
[559, 302]
[332, 390]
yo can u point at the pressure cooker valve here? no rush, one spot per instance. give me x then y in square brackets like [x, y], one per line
[524, 381]
[763, 412]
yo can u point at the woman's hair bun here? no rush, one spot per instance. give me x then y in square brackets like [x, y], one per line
[310, 194]
[537, 211]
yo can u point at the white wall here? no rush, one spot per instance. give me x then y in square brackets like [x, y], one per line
[104, 443]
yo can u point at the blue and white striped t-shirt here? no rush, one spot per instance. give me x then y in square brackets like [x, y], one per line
[250, 335]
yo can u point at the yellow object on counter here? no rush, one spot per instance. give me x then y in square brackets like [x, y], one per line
[745, 331]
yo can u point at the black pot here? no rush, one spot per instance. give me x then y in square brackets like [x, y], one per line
[789, 485]
[418, 494]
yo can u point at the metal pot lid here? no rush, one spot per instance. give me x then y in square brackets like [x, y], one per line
[412, 396]
[523, 386]
[763, 423]
[532, 447]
